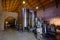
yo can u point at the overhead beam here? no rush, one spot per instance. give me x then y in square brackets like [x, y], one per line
[56, 3]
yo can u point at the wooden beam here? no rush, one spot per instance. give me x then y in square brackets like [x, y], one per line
[4, 3]
[11, 4]
[15, 4]
[7, 5]
[56, 2]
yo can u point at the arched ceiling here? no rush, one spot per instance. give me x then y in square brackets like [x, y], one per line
[16, 5]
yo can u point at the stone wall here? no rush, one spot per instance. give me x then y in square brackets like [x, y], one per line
[4, 15]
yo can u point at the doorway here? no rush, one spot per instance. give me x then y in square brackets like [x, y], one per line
[9, 23]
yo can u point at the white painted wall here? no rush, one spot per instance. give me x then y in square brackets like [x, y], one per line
[51, 14]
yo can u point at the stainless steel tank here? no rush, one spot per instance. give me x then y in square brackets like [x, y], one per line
[25, 14]
[32, 18]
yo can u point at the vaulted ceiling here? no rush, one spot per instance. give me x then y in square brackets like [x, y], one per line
[16, 5]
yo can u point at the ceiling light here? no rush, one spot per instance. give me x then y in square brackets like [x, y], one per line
[37, 7]
[6, 22]
[23, 2]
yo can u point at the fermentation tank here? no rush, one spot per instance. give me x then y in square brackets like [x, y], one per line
[25, 14]
[32, 18]
[28, 17]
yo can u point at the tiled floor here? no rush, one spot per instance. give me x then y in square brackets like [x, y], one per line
[15, 35]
